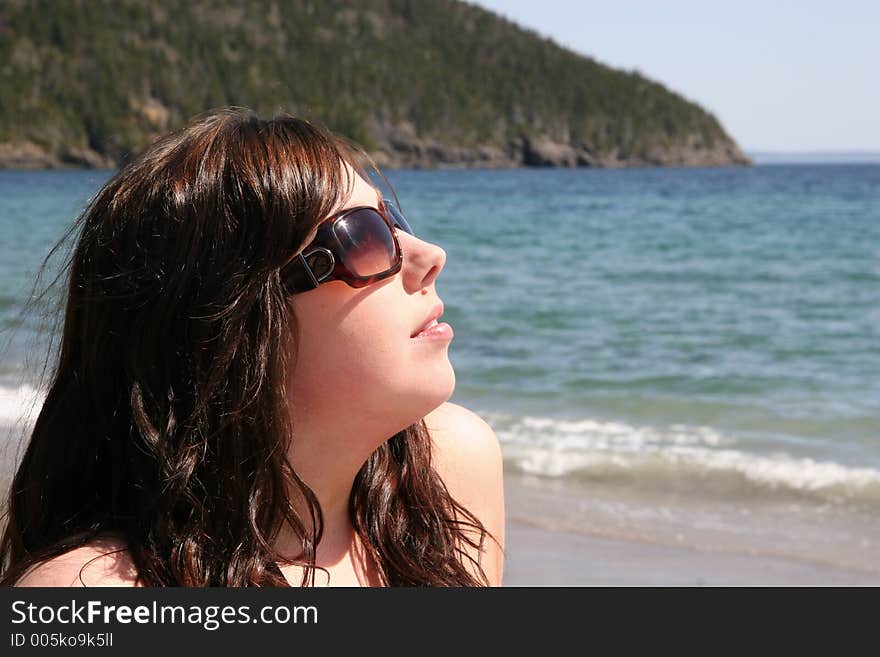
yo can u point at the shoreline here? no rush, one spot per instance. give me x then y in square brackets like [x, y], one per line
[411, 152]
[544, 547]
[542, 557]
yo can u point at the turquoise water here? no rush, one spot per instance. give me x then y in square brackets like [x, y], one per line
[651, 326]
[707, 329]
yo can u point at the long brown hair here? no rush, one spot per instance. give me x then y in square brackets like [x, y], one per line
[165, 419]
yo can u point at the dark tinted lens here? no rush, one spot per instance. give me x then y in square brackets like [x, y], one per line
[397, 218]
[367, 246]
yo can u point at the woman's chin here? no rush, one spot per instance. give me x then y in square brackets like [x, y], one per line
[434, 389]
[444, 391]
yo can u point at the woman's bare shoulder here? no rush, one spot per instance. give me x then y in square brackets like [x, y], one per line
[101, 562]
[467, 456]
[462, 440]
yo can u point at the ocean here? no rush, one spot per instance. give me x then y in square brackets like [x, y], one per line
[686, 356]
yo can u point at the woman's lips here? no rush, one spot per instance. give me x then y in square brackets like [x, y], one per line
[435, 331]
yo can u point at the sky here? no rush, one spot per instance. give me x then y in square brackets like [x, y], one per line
[779, 75]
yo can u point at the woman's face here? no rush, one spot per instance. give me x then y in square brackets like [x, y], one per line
[355, 356]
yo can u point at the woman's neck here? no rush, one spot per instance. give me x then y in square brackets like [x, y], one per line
[328, 462]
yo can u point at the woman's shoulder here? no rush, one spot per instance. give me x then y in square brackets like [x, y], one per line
[467, 456]
[103, 561]
[462, 439]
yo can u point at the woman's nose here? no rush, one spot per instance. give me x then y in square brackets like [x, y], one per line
[422, 262]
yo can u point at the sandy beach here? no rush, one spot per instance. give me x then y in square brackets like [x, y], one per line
[541, 557]
[538, 555]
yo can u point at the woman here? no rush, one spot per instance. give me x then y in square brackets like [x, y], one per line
[246, 393]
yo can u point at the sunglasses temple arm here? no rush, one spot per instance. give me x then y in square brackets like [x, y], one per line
[309, 272]
[297, 276]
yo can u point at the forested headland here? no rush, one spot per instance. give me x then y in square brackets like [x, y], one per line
[420, 83]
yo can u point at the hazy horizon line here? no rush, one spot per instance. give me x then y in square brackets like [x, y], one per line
[837, 156]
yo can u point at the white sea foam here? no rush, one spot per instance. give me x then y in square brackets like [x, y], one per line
[590, 449]
[693, 457]
[557, 433]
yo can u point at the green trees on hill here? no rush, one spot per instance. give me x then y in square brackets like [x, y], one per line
[110, 75]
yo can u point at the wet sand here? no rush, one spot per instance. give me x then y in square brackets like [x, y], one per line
[542, 556]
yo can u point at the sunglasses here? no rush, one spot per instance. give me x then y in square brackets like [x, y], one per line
[358, 246]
